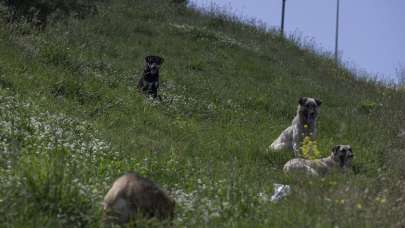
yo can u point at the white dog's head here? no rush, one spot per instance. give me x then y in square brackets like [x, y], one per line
[308, 109]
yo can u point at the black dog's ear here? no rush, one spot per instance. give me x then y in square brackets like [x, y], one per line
[318, 102]
[302, 100]
[161, 60]
[157, 59]
[148, 59]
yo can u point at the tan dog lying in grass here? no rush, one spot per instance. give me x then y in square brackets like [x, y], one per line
[340, 158]
[131, 196]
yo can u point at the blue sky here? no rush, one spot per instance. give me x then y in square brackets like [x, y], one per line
[372, 32]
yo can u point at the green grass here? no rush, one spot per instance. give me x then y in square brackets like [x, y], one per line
[72, 121]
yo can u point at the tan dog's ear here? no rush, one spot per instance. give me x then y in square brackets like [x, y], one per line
[318, 102]
[350, 153]
[335, 149]
[302, 100]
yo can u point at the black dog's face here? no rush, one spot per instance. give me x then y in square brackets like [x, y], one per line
[343, 154]
[153, 63]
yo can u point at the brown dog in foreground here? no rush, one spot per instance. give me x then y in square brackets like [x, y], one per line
[131, 196]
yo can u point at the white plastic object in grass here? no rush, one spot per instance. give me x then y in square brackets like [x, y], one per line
[280, 191]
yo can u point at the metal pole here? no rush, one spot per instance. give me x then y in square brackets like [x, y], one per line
[337, 34]
[282, 18]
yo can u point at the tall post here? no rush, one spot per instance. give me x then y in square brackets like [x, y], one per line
[282, 18]
[337, 34]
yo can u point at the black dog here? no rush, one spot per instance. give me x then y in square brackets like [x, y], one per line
[149, 83]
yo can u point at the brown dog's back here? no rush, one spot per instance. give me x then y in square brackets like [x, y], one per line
[132, 195]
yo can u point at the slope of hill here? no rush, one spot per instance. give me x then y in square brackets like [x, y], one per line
[72, 121]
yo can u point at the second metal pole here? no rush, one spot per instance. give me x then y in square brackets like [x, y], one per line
[282, 18]
[337, 34]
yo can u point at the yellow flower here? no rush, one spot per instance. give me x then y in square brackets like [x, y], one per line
[380, 199]
[359, 206]
[310, 149]
[342, 201]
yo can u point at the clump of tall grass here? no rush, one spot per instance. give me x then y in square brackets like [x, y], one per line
[44, 160]
[40, 12]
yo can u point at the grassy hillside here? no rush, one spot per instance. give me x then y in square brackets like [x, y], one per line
[72, 121]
